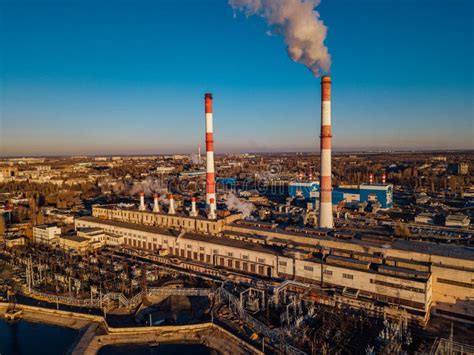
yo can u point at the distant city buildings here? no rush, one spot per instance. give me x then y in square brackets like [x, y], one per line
[458, 169]
[165, 169]
[397, 220]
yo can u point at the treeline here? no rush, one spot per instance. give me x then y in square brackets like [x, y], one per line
[40, 195]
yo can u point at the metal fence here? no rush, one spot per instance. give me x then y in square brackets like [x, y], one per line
[450, 347]
[123, 301]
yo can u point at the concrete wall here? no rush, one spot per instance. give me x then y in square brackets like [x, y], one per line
[203, 333]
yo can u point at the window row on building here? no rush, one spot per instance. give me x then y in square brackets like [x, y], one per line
[456, 283]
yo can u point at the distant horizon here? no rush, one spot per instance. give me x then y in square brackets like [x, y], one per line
[335, 152]
[91, 78]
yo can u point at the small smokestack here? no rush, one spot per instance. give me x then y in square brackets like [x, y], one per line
[199, 155]
[210, 174]
[171, 209]
[371, 179]
[142, 202]
[325, 209]
[384, 178]
[193, 212]
[156, 205]
[212, 209]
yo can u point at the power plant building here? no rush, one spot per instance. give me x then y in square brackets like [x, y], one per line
[389, 277]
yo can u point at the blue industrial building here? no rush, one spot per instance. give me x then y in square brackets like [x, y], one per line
[381, 193]
[373, 193]
[304, 189]
[226, 181]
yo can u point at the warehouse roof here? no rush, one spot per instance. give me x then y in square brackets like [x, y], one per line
[187, 235]
[452, 251]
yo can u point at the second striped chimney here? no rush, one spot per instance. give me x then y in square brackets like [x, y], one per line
[325, 209]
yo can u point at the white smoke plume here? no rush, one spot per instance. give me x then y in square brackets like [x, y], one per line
[164, 200]
[149, 186]
[195, 160]
[236, 204]
[303, 31]
[118, 187]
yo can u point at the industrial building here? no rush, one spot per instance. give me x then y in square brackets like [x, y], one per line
[304, 189]
[46, 234]
[457, 220]
[373, 193]
[419, 278]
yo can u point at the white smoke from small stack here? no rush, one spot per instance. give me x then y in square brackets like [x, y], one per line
[118, 187]
[149, 186]
[303, 31]
[195, 159]
[236, 204]
[163, 200]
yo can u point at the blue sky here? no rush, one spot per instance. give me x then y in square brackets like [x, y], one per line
[123, 76]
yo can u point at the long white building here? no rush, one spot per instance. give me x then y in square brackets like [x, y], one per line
[418, 278]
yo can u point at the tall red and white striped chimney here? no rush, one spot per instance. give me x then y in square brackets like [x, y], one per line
[325, 209]
[210, 174]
